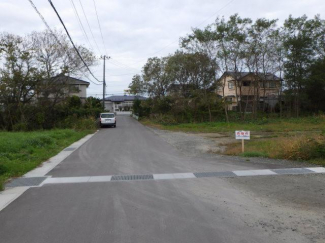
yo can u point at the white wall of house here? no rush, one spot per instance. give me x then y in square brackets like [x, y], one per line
[109, 106]
[82, 93]
[117, 106]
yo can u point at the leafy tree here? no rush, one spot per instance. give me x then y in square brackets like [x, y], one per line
[155, 76]
[315, 86]
[300, 45]
[137, 86]
[92, 102]
[27, 80]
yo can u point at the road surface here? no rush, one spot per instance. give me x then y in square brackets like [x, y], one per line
[208, 209]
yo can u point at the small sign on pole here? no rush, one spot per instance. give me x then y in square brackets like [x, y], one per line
[243, 135]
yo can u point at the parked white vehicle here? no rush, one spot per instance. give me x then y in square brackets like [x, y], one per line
[107, 119]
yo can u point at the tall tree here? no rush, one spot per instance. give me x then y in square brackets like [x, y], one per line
[300, 45]
[155, 76]
[137, 86]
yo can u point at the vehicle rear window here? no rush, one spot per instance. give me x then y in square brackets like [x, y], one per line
[107, 116]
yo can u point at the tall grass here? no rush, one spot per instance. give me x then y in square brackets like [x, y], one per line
[21, 152]
[301, 147]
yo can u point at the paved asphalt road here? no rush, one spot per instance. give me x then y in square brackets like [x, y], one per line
[187, 210]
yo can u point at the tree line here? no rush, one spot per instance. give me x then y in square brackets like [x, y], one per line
[183, 84]
[30, 95]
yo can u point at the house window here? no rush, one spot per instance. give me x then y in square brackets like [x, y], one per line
[263, 84]
[246, 83]
[74, 88]
[230, 85]
[228, 99]
[272, 85]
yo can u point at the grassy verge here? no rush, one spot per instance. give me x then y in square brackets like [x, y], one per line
[21, 152]
[263, 125]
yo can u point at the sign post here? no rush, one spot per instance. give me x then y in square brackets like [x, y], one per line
[243, 135]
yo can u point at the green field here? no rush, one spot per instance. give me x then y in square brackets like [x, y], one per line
[262, 125]
[21, 152]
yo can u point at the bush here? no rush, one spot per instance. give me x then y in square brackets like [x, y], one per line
[3, 170]
[304, 148]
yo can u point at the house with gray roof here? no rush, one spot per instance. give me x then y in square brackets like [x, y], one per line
[62, 86]
[121, 102]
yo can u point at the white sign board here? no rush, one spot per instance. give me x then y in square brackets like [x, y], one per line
[243, 135]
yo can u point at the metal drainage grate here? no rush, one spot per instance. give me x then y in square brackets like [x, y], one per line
[215, 174]
[69, 149]
[131, 177]
[26, 181]
[292, 171]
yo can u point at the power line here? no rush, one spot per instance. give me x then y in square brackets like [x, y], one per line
[100, 28]
[48, 27]
[80, 23]
[121, 64]
[89, 25]
[125, 74]
[223, 7]
[72, 41]
[54, 35]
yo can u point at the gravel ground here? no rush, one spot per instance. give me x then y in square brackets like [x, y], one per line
[294, 204]
[209, 145]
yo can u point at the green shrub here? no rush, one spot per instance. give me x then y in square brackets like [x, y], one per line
[20, 127]
[86, 124]
[3, 169]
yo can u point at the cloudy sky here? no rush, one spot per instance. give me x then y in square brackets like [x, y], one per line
[135, 30]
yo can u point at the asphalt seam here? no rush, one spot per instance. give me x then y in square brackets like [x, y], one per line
[22, 182]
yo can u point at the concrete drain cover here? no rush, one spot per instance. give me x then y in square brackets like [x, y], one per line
[69, 149]
[26, 181]
[215, 174]
[131, 177]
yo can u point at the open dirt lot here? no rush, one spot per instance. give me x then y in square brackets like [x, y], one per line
[295, 204]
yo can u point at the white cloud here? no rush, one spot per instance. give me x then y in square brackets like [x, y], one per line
[134, 30]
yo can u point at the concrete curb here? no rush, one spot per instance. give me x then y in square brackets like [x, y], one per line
[10, 194]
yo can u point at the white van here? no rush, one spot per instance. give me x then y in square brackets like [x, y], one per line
[107, 119]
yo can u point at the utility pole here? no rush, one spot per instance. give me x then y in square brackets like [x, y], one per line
[104, 82]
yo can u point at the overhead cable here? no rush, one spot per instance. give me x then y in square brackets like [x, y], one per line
[80, 23]
[100, 28]
[53, 34]
[83, 10]
[77, 51]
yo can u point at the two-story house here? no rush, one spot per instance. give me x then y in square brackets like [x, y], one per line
[247, 89]
[62, 86]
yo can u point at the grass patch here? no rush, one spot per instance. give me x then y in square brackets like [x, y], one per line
[265, 125]
[302, 147]
[21, 152]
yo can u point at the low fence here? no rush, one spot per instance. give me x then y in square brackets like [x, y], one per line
[135, 116]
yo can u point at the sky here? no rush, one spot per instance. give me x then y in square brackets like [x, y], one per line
[135, 30]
